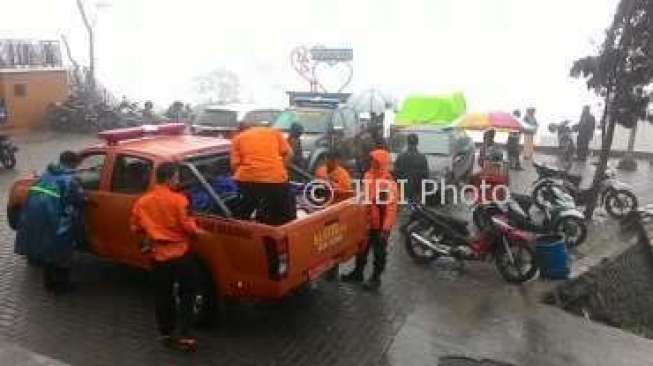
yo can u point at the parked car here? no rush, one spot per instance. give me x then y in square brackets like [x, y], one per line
[242, 259]
[327, 123]
[262, 115]
[450, 152]
[224, 120]
[216, 121]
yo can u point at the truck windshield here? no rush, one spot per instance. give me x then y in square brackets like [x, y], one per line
[210, 166]
[261, 116]
[313, 121]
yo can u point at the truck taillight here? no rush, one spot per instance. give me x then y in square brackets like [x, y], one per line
[278, 257]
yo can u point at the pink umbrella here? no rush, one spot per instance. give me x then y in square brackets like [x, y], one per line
[500, 121]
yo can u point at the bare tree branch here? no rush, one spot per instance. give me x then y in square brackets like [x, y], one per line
[91, 47]
[68, 53]
[82, 12]
[66, 45]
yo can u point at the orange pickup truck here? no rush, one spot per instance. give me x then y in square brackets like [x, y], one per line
[243, 259]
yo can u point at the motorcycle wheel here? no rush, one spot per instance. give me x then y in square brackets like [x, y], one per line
[417, 251]
[8, 159]
[524, 267]
[573, 231]
[540, 193]
[620, 203]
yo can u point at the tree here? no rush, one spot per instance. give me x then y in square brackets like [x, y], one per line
[91, 47]
[628, 161]
[219, 86]
[77, 78]
[620, 73]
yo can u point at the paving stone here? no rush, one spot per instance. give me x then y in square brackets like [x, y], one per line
[109, 319]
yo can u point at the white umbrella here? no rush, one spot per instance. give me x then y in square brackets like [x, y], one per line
[370, 101]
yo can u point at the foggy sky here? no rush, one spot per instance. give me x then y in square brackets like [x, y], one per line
[503, 54]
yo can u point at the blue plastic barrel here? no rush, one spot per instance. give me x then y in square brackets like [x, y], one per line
[552, 257]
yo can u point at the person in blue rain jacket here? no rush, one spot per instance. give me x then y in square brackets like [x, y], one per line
[51, 222]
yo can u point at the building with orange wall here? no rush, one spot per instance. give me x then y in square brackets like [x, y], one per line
[31, 77]
[28, 92]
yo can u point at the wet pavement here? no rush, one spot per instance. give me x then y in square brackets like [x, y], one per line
[11, 354]
[422, 315]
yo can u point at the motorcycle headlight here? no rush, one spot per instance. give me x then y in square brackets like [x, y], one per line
[306, 154]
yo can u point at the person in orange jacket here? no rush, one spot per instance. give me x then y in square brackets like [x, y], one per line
[162, 219]
[333, 172]
[381, 199]
[259, 156]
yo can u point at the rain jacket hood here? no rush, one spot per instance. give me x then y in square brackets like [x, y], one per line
[380, 162]
[379, 182]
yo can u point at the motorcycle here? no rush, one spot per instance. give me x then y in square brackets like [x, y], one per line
[617, 197]
[7, 152]
[548, 172]
[561, 217]
[429, 235]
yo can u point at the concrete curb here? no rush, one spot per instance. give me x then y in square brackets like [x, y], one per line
[552, 150]
[615, 289]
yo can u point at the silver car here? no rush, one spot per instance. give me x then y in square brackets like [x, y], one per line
[449, 152]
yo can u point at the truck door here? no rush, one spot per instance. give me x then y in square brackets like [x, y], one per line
[129, 179]
[90, 172]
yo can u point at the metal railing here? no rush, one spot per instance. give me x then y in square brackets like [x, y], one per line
[26, 53]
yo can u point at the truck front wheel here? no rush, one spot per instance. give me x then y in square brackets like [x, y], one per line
[13, 217]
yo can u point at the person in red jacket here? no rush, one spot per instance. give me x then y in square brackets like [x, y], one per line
[380, 197]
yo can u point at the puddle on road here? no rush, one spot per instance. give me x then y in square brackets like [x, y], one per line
[465, 361]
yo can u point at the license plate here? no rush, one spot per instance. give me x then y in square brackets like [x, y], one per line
[331, 235]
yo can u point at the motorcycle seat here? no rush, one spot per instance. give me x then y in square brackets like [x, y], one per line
[523, 200]
[575, 179]
[538, 165]
[457, 223]
[546, 170]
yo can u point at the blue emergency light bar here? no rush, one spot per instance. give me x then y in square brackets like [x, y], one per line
[316, 102]
[323, 100]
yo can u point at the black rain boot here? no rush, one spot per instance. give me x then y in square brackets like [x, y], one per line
[373, 283]
[354, 276]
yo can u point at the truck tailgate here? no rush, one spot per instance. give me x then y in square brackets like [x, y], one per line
[319, 241]
[236, 251]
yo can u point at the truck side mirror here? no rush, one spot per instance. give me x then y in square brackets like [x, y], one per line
[337, 128]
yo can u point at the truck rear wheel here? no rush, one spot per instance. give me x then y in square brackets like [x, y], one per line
[208, 309]
[333, 274]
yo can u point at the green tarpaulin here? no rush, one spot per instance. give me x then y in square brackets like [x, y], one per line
[430, 109]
